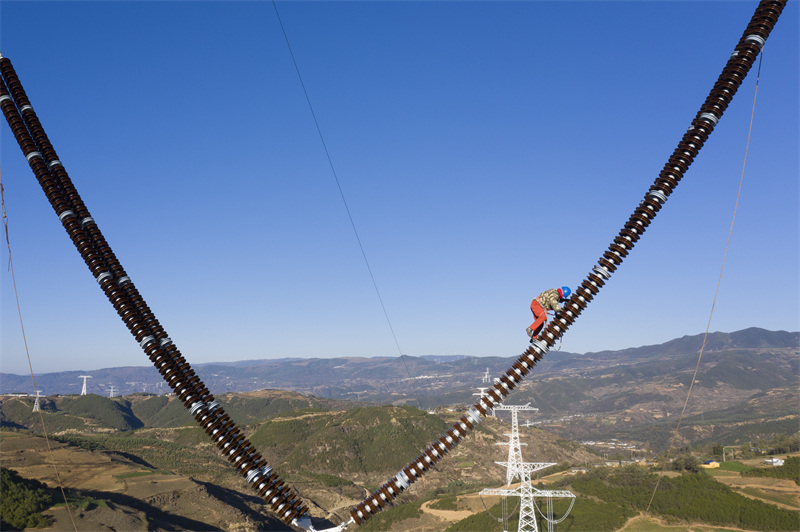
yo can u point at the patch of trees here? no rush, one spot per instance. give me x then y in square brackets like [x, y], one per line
[17, 414]
[22, 502]
[686, 462]
[782, 443]
[689, 497]
[790, 470]
[445, 503]
[112, 413]
[608, 497]
[246, 410]
[148, 408]
[70, 413]
[384, 520]
[198, 461]
[349, 442]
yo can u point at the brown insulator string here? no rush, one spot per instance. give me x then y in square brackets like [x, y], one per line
[737, 67]
[129, 304]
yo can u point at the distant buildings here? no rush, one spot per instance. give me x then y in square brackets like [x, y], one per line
[612, 444]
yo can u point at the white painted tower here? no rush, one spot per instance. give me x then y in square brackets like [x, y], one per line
[84, 377]
[517, 469]
[36, 403]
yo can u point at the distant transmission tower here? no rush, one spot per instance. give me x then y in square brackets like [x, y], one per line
[480, 394]
[111, 390]
[36, 403]
[486, 378]
[516, 468]
[84, 377]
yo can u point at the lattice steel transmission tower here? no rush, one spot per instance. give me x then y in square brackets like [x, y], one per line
[36, 403]
[513, 465]
[517, 469]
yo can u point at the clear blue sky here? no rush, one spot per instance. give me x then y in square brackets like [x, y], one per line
[488, 151]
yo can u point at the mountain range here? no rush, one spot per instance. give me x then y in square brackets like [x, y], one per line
[434, 380]
[340, 427]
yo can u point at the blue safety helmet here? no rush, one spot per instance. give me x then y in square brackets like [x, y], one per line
[566, 291]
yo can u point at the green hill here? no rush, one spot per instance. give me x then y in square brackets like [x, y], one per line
[608, 497]
[259, 406]
[112, 413]
[86, 412]
[688, 497]
[162, 411]
[360, 440]
[94, 412]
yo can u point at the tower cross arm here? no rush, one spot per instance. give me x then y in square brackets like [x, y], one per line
[500, 491]
[553, 493]
[530, 467]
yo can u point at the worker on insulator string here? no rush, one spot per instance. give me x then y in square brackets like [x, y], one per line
[547, 300]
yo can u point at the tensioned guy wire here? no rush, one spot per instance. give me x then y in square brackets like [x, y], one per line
[719, 281]
[28, 354]
[341, 191]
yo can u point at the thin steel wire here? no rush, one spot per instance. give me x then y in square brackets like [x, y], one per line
[716, 291]
[28, 354]
[344, 199]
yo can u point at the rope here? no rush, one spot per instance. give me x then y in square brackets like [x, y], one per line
[716, 291]
[28, 354]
